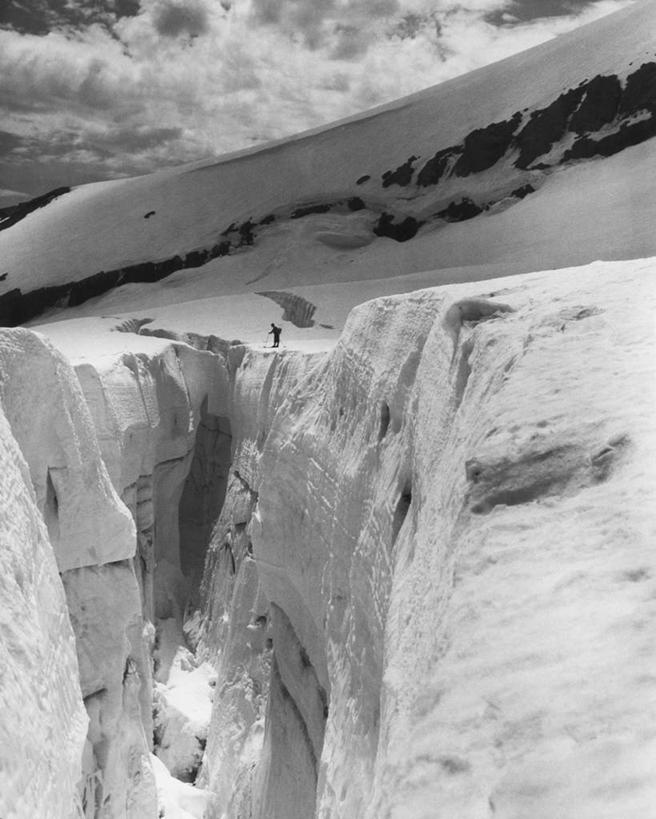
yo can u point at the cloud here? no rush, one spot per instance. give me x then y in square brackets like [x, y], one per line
[180, 80]
[175, 18]
[6, 193]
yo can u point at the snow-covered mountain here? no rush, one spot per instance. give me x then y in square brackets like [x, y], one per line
[400, 568]
[530, 154]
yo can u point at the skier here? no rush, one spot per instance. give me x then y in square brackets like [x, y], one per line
[276, 334]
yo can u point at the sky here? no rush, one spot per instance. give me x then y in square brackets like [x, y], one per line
[101, 89]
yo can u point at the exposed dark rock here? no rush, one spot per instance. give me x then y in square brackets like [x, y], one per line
[11, 308]
[436, 167]
[5, 213]
[197, 258]
[222, 249]
[246, 235]
[546, 127]
[308, 209]
[460, 211]
[149, 214]
[402, 175]
[22, 210]
[640, 91]
[17, 307]
[625, 137]
[593, 105]
[401, 232]
[599, 106]
[520, 193]
[92, 286]
[355, 203]
[484, 147]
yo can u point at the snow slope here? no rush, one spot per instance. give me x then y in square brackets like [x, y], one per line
[324, 207]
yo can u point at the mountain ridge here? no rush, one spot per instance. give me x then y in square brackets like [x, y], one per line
[421, 177]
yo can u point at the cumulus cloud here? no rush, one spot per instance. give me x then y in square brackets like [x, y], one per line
[175, 17]
[165, 81]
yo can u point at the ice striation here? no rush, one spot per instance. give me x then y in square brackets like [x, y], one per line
[445, 507]
[409, 576]
[43, 722]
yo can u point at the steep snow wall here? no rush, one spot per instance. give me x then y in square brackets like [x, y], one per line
[93, 540]
[428, 592]
[107, 451]
[429, 588]
[43, 722]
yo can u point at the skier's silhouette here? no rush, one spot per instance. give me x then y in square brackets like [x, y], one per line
[276, 334]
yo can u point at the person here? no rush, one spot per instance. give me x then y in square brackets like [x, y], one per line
[276, 334]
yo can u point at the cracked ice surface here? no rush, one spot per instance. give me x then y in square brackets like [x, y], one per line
[430, 589]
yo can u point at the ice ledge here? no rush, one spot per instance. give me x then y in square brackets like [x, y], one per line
[44, 404]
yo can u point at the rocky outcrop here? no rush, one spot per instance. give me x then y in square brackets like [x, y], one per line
[23, 209]
[402, 176]
[401, 231]
[598, 118]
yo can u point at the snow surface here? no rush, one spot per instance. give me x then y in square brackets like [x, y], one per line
[105, 227]
[458, 594]
[183, 711]
[177, 800]
[490, 651]
[429, 580]
[43, 724]
[49, 418]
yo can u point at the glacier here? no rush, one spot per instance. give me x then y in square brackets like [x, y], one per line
[401, 567]
[425, 589]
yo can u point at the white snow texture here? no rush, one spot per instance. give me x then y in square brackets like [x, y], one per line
[401, 567]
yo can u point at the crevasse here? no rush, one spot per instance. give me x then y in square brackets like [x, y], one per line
[409, 547]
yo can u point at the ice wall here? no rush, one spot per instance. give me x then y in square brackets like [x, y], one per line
[43, 723]
[93, 541]
[106, 450]
[154, 412]
[430, 585]
[429, 589]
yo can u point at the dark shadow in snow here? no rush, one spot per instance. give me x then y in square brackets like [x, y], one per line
[295, 308]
